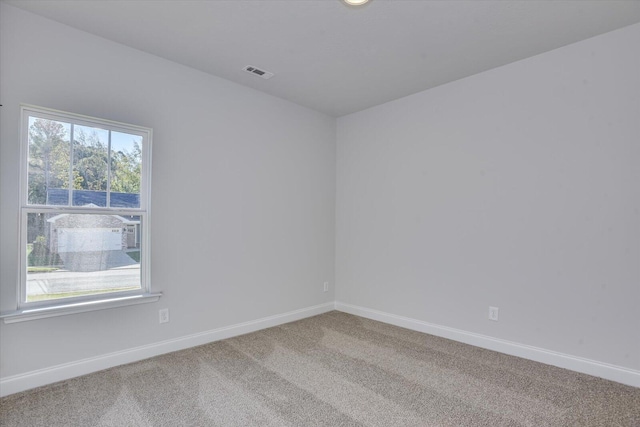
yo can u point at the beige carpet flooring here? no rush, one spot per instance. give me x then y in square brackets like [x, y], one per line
[329, 370]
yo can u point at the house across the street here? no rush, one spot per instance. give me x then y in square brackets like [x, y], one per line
[88, 242]
[92, 233]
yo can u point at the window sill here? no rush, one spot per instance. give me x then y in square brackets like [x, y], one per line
[27, 314]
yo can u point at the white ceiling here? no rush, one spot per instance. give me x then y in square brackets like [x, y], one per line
[338, 59]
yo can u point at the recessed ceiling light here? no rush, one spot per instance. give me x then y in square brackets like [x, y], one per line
[355, 2]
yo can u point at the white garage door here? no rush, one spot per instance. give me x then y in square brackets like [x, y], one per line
[89, 239]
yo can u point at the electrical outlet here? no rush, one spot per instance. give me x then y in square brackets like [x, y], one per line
[326, 286]
[164, 315]
[493, 313]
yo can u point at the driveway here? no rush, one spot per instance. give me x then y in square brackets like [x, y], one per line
[95, 261]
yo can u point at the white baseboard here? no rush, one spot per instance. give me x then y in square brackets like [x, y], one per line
[29, 380]
[586, 366]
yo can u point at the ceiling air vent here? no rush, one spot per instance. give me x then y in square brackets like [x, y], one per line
[258, 72]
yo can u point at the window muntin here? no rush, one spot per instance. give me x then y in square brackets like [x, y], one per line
[84, 214]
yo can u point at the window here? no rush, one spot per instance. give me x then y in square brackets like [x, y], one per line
[84, 220]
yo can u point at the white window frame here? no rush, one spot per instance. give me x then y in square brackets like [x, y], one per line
[38, 309]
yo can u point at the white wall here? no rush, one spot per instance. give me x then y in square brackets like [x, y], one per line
[242, 196]
[518, 188]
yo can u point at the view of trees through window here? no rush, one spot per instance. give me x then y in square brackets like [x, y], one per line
[77, 164]
[87, 164]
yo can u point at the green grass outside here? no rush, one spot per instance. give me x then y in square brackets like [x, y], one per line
[77, 294]
[42, 269]
[135, 255]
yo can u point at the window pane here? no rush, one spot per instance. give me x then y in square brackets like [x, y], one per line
[126, 169]
[90, 163]
[71, 255]
[48, 163]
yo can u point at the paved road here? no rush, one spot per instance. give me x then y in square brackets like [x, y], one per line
[68, 281]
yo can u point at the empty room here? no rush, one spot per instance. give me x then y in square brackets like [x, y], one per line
[319, 213]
